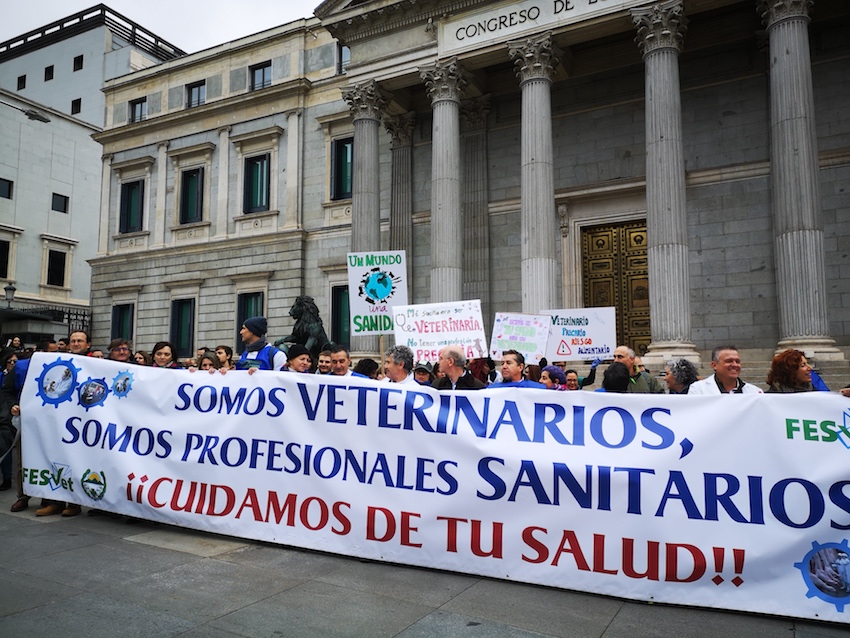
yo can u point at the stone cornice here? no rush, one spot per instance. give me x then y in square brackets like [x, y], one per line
[221, 109]
[775, 11]
[660, 26]
[361, 23]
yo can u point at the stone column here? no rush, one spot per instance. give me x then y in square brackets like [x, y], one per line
[445, 82]
[535, 60]
[661, 30]
[105, 208]
[476, 217]
[367, 102]
[222, 190]
[291, 206]
[400, 129]
[800, 270]
[161, 222]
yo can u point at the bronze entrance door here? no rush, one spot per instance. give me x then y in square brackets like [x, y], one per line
[614, 271]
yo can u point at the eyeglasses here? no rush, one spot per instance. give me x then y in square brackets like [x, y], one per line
[122, 349]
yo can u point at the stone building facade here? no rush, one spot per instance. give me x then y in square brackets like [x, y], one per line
[685, 161]
[50, 171]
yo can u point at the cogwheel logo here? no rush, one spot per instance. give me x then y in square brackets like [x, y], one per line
[57, 382]
[377, 285]
[826, 572]
[122, 384]
[94, 484]
[92, 392]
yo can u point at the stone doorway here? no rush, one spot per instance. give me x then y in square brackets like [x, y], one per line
[615, 273]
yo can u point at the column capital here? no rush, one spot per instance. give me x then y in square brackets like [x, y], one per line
[445, 80]
[535, 58]
[660, 26]
[773, 11]
[366, 100]
[473, 113]
[400, 128]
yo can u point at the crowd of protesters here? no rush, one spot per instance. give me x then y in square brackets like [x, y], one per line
[790, 372]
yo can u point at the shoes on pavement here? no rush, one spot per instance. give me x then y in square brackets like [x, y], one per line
[21, 504]
[50, 509]
[72, 510]
[6, 485]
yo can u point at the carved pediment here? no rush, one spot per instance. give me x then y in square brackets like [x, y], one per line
[352, 20]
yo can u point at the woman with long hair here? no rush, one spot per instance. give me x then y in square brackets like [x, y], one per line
[790, 372]
[163, 355]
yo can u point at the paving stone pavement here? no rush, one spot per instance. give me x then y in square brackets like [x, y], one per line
[93, 576]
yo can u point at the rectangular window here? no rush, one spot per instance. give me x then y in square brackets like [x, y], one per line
[261, 76]
[48, 73]
[122, 321]
[76, 105]
[22, 82]
[78, 63]
[5, 247]
[343, 57]
[196, 94]
[183, 327]
[257, 183]
[138, 110]
[6, 188]
[340, 316]
[342, 156]
[56, 267]
[132, 206]
[60, 203]
[192, 196]
[248, 304]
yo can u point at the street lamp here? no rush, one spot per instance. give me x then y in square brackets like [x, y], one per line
[10, 291]
[32, 114]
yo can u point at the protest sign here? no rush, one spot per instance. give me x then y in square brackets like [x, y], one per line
[376, 281]
[527, 334]
[648, 497]
[581, 333]
[427, 328]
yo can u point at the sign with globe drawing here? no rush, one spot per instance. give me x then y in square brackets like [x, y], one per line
[377, 281]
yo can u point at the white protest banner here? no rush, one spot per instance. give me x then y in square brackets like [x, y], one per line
[376, 280]
[527, 334]
[581, 333]
[649, 497]
[427, 328]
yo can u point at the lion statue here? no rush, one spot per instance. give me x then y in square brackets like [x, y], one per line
[308, 329]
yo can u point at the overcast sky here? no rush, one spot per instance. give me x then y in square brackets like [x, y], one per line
[191, 25]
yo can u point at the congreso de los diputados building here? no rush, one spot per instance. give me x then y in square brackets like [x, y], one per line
[686, 161]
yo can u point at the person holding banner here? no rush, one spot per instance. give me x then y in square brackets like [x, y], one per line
[555, 379]
[513, 366]
[258, 354]
[457, 377]
[300, 359]
[726, 363]
[398, 365]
